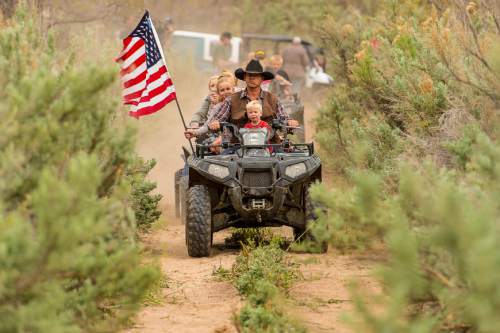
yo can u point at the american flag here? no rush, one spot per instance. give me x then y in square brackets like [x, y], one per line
[147, 86]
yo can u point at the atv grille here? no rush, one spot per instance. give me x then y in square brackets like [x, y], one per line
[257, 178]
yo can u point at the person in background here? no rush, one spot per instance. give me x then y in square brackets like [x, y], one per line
[276, 62]
[295, 63]
[209, 102]
[221, 53]
[165, 31]
[281, 77]
[250, 57]
[260, 55]
[320, 59]
[281, 85]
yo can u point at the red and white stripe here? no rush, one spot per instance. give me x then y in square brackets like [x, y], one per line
[147, 90]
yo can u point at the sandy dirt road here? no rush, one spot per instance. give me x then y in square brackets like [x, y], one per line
[194, 300]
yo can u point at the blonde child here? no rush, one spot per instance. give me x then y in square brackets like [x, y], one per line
[254, 113]
[209, 102]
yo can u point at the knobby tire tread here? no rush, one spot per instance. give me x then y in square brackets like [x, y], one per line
[199, 222]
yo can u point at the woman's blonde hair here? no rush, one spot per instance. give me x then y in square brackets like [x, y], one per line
[254, 105]
[229, 75]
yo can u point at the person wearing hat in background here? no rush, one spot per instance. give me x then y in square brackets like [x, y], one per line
[233, 109]
[260, 55]
[281, 85]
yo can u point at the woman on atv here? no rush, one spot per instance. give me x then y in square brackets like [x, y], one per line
[225, 88]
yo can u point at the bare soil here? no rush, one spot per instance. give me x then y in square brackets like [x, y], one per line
[322, 298]
[194, 300]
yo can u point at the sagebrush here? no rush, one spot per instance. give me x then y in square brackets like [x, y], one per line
[412, 128]
[69, 205]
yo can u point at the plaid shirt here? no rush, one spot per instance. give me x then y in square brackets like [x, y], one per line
[223, 111]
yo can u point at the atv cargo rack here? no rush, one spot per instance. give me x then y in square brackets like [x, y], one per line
[289, 148]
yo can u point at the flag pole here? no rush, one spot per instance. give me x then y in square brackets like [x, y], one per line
[165, 61]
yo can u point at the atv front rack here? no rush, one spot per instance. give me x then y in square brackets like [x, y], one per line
[204, 150]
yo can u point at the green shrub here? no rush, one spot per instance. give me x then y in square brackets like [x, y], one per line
[144, 204]
[264, 312]
[267, 263]
[412, 129]
[350, 219]
[253, 237]
[70, 261]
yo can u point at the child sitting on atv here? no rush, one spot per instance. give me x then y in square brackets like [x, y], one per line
[254, 112]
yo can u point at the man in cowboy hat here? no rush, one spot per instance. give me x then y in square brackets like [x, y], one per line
[233, 109]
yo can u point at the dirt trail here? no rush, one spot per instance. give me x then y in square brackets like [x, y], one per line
[194, 301]
[322, 298]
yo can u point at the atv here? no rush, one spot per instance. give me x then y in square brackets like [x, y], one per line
[251, 184]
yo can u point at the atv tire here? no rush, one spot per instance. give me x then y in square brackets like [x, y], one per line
[300, 234]
[199, 222]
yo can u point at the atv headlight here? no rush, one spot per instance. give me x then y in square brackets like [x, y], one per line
[295, 170]
[218, 171]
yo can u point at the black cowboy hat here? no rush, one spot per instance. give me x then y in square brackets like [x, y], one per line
[253, 67]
